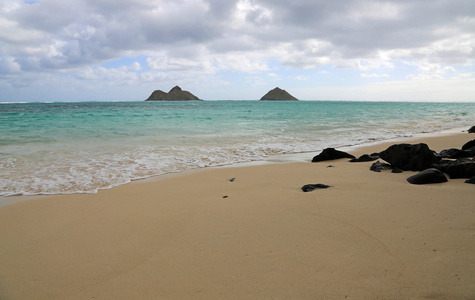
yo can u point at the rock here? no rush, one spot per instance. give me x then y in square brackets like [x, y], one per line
[471, 180]
[444, 164]
[379, 166]
[472, 129]
[430, 175]
[448, 152]
[464, 169]
[456, 153]
[311, 187]
[396, 170]
[175, 94]
[331, 154]
[468, 145]
[365, 157]
[406, 157]
[278, 94]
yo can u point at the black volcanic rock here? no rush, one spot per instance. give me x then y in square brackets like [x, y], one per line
[331, 154]
[471, 180]
[365, 157]
[444, 164]
[456, 153]
[448, 153]
[430, 175]
[406, 157]
[278, 94]
[379, 166]
[468, 145]
[175, 94]
[311, 187]
[472, 129]
[464, 169]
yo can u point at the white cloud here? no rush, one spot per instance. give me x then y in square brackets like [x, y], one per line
[116, 76]
[301, 77]
[435, 68]
[241, 62]
[427, 90]
[247, 11]
[424, 77]
[188, 40]
[9, 66]
[433, 72]
[373, 75]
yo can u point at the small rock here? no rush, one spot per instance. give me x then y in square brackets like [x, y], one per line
[471, 180]
[331, 154]
[232, 179]
[472, 129]
[379, 166]
[311, 187]
[430, 175]
[224, 197]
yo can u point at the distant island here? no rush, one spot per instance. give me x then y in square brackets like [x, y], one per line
[278, 94]
[175, 94]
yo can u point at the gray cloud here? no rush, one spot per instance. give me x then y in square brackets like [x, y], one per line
[58, 35]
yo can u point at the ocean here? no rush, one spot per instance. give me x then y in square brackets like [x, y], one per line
[60, 148]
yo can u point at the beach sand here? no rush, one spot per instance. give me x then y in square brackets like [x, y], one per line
[370, 236]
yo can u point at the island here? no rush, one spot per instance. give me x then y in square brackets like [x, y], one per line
[278, 94]
[175, 94]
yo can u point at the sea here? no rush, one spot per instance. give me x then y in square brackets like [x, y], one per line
[63, 147]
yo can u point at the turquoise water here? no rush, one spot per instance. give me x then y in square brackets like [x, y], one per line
[50, 148]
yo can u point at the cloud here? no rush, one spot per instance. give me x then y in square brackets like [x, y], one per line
[191, 38]
[301, 77]
[9, 66]
[373, 75]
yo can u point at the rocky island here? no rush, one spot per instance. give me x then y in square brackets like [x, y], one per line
[175, 94]
[278, 94]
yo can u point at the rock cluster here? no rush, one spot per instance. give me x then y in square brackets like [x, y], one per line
[432, 166]
[175, 94]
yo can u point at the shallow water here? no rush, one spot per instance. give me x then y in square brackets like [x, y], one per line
[50, 148]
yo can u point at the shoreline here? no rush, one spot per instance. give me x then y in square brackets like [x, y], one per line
[271, 159]
[200, 235]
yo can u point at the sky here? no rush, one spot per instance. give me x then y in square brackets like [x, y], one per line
[123, 50]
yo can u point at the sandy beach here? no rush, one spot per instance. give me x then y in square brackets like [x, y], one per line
[199, 235]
